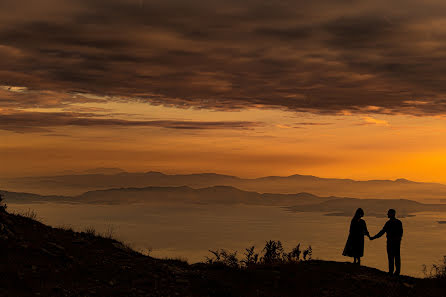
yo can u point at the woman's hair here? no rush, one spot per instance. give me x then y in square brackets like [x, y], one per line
[359, 213]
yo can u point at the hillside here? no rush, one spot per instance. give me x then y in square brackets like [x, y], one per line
[46, 261]
[76, 184]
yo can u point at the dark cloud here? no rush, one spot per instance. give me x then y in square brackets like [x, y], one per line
[319, 56]
[311, 124]
[43, 122]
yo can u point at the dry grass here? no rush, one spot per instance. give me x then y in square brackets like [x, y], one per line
[91, 231]
[29, 213]
[109, 232]
[68, 228]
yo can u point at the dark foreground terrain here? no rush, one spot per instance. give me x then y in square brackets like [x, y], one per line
[38, 260]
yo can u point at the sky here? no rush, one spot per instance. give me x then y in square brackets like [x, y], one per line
[350, 88]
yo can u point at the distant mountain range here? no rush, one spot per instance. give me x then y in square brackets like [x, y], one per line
[105, 178]
[166, 195]
[372, 207]
[224, 195]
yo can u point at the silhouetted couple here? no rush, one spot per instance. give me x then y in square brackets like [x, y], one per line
[394, 232]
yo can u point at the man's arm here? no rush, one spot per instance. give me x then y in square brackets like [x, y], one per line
[380, 233]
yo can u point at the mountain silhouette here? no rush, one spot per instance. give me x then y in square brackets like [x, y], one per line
[226, 195]
[162, 195]
[76, 184]
[372, 207]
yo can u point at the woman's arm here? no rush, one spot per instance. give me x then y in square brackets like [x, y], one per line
[366, 232]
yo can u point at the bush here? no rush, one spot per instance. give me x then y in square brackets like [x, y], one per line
[308, 253]
[273, 253]
[251, 257]
[224, 257]
[294, 255]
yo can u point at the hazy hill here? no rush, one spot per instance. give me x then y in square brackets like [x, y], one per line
[103, 170]
[224, 195]
[46, 261]
[76, 184]
[17, 197]
[165, 195]
[211, 195]
[372, 207]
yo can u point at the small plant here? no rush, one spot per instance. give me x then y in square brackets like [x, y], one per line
[251, 258]
[215, 259]
[294, 255]
[224, 257]
[273, 252]
[308, 253]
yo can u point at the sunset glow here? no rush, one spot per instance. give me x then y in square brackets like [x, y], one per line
[333, 90]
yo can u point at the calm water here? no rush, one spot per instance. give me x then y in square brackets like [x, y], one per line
[190, 231]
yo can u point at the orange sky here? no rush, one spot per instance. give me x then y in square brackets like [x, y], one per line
[360, 146]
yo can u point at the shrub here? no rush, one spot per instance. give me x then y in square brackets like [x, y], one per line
[294, 255]
[308, 253]
[273, 253]
[251, 257]
[224, 257]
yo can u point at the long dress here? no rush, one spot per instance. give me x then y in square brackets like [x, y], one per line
[355, 242]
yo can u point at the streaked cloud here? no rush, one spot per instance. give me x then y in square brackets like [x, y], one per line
[312, 124]
[43, 122]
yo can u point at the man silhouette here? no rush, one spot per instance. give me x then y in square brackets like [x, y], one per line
[394, 230]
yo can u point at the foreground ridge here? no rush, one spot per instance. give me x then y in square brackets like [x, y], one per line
[39, 260]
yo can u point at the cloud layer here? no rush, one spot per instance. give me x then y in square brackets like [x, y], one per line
[42, 122]
[320, 56]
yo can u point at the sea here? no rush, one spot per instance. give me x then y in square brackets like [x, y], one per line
[189, 232]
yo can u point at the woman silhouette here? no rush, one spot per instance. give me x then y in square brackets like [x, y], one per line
[355, 242]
